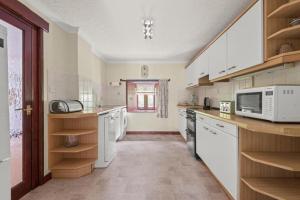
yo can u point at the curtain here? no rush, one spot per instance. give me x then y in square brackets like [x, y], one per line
[163, 99]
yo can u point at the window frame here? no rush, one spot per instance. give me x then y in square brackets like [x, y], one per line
[144, 109]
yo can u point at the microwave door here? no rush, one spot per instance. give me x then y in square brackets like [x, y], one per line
[250, 102]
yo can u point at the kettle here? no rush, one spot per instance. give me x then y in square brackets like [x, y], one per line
[206, 104]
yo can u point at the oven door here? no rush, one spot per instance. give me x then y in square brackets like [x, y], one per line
[250, 104]
[191, 141]
[191, 124]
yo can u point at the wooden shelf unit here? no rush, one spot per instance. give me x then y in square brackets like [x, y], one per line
[286, 33]
[269, 166]
[276, 188]
[288, 10]
[77, 149]
[75, 161]
[278, 31]
[288, 161]
[74, 132]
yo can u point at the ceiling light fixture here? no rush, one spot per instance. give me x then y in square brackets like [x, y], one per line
[147, 26]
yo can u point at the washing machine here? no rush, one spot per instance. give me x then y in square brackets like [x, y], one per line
[124, 122]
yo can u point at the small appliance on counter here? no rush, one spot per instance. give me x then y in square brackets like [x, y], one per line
[279, 103]
[206, 104]
[65, 106]
[227, 107]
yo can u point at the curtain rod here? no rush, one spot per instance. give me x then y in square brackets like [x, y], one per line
[141, 80]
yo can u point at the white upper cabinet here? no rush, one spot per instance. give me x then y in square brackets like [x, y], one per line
[189, 76]
[218, 57]
[245, 40]
[202, 65]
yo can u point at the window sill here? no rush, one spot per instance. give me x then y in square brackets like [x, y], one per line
[141, 111]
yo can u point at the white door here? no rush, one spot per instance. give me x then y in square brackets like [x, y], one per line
[245, 40]
[218, 57]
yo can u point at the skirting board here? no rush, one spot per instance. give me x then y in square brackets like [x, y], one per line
[154, 132]
[47, 178]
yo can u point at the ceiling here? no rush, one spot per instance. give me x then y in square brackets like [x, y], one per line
[114, 27]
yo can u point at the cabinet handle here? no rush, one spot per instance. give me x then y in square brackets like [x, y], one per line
[221, 72]
[205, 128]
[202, 73]
[233, 67]
[213, 132]
[219, 125]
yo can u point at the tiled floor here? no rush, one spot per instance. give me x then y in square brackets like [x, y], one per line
[158, 169]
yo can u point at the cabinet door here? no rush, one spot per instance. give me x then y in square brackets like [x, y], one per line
[188, 77]
[245, 40]
[202, 68]
[218, 57]
[224, 159]
[202, 141]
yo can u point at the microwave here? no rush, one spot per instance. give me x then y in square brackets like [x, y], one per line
[274, 103]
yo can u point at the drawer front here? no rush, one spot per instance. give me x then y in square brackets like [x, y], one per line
[202, 118]
[224, 127]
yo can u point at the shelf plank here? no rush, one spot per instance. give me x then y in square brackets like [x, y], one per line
[277, 188]
[292, 32]
[77, 149]
[288, 10]
[74, 132]
[73, 163]
[73, 115]
[285, 54]
[287, 161]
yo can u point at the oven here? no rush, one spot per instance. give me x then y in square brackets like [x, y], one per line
[191, 131]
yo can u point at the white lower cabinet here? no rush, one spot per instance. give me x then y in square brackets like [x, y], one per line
[219, 151]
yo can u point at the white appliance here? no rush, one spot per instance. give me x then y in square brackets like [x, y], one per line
[279, 103]
[4, 119]
[117, 113]
[107, 139]
[124, 122]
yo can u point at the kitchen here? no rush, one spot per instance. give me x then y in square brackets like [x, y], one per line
[211, 103]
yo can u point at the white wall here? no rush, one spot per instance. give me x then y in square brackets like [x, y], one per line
[226, 90]
[91, 72]
[148, 121]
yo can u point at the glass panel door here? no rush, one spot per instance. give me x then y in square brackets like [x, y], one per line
[15, 92]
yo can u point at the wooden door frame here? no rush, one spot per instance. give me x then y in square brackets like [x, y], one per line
[17, 10]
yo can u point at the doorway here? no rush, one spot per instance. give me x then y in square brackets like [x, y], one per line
[25, 110]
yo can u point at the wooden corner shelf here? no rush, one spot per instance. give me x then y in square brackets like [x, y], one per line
[73, 163]
[277, 188]
[289, 10]
[78, 149]
[292, 32]
[287, 161]
[72, 132]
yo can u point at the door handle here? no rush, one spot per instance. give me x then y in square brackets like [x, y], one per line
[221, 72]
[213, 132]
[28, 110]
[219, 125]
[233, 67]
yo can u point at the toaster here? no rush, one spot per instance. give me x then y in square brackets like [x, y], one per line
[227, 107]
[65, 106]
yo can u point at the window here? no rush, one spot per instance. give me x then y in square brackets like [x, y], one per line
[141, 96]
